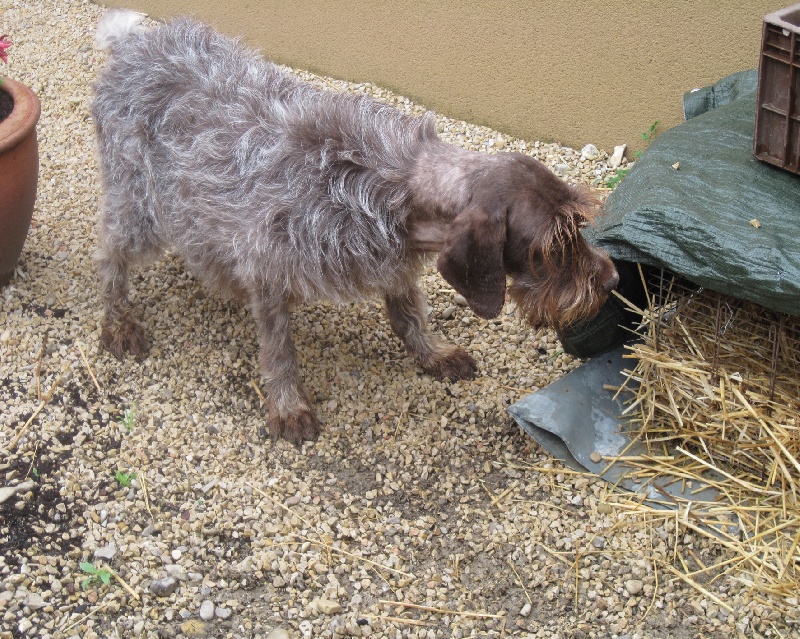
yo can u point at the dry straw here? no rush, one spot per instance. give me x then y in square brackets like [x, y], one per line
[715, 395]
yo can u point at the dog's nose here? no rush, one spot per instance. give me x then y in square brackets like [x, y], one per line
[606, 273]
[611, 283]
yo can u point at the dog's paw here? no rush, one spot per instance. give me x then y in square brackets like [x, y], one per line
[125, 336]
[304, 426]
[455, 364]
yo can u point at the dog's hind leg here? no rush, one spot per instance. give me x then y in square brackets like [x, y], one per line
[125, 237]
[291, 416]
[407, 315]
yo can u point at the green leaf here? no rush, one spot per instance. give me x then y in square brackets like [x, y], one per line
[87, 567]
[616, 179]
[105, 576]
[123, 478]
[85, 583]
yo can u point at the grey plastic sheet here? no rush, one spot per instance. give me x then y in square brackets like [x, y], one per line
[700, 205]
[576, 418]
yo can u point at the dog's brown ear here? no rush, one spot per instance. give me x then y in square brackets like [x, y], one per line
[472, 259]
[559, 237]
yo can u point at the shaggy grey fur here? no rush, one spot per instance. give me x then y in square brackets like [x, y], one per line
[279, 193]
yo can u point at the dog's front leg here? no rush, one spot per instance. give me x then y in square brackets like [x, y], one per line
[409, 321]
[291, 416]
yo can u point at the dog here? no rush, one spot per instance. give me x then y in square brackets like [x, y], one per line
[278, 193]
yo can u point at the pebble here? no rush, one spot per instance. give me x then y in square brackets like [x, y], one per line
[163, 587]
[448, 312]
[34, 601]
[177, 571]
[207, 610]
[599, 542]
[326, 606]
[294, 500]
[634, 586]
[193, 628]
[590, 152]
[223, 613]
[278, 633]
[596, 457]
[561, 168]
[616, 158]
[106, 552]
[525, 610]
[460, 299]
[206, 488]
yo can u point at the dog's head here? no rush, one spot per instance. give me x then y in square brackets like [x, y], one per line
[524, 222]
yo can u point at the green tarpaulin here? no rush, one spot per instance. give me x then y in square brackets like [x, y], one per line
[700, 205]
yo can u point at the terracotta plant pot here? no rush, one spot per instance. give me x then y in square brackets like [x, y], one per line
[19, 173]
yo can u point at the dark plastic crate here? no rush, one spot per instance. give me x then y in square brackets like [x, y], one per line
[777, 130]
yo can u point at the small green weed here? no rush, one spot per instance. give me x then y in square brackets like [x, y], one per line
[124, 479]
[647, 137]
[95, 574]
[128, 419]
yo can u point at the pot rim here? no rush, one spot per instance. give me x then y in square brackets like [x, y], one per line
[22, 120]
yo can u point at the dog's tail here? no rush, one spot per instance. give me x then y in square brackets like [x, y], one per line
[115, 25]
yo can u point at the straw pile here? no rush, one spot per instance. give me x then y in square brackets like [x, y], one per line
[718, 405]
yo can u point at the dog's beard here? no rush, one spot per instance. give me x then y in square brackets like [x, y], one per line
[555, 301]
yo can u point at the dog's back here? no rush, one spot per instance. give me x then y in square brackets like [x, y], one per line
[248, 173]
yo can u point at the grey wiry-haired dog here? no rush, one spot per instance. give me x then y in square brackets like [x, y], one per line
[279, 193]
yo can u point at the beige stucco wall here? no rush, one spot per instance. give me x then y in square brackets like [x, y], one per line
[573, 72]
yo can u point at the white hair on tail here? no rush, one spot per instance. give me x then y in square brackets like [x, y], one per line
[115, 25]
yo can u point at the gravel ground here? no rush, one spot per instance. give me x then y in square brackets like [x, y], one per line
[417, 492]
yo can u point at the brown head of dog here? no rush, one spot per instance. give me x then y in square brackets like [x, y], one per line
[507, 215]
